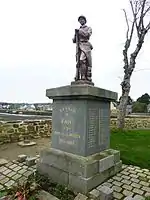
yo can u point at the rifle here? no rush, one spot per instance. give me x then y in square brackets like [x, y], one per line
[77, 54]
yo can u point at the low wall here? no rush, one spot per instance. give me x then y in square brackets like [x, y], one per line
[17, 130]
[133, 122]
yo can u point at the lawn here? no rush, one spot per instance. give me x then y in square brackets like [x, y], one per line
[134, 146]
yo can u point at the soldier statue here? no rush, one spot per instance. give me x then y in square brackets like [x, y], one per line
[83, 51]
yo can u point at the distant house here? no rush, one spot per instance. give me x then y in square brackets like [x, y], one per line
[129, 109]
[5, 106]
[114, 108]
[148, 108]
[49, 107]
[29, 107]
[24, 107]
[44, 107]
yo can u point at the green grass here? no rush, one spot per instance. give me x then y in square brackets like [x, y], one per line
[134, 146]
[3, 193]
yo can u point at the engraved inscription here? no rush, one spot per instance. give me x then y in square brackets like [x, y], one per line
[92, 127]
[67, 109]
[64, 141]
[65, 130]
[73, 135]
[103, 116]
[67, 124]
[67, 119]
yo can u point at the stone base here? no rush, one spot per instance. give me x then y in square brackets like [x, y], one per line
[23, 144]
[3, 162]
[22, 158]
[30, 161]
[78, 173]
[43, 195]
[82, 82]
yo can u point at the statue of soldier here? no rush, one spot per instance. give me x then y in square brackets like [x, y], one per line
[83, 51]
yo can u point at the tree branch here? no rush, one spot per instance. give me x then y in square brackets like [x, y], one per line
[137, 49]
[146, 11]
[127, 34]
[135, 16]
[141, 23]
[148, 27]
[127, 43]
[132, 30]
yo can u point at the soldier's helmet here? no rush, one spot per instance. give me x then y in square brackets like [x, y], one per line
[82, 17]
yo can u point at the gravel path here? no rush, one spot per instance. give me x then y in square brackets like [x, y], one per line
[11, 151]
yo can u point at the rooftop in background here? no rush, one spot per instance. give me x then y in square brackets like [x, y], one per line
[26, 106]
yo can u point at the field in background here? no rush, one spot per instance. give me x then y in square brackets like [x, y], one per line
[134, 146]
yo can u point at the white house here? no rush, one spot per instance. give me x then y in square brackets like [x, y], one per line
[113, 106]
[148, 108]
[129, 109]
[28, 107]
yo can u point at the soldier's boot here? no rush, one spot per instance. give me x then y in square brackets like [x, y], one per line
[77, 77]
[83, 71]
[89, 74]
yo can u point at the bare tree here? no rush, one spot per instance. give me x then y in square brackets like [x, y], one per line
[140, 25]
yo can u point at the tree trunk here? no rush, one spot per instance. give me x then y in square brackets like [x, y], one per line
[128, 70]
[124, 99]
[122, 110]
[139, 9]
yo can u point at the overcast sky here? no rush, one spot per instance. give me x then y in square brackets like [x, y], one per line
[36, 49]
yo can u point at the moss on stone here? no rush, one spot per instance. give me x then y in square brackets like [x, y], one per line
[16, 125]
[22, 129]
[11, 130]
[43, 128]
[31, 128]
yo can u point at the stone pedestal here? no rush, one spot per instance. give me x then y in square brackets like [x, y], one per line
[80, 156]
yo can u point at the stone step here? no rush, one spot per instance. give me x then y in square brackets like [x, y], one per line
[43, 195]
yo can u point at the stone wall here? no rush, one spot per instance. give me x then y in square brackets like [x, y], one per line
[17, 130]
[133, 122]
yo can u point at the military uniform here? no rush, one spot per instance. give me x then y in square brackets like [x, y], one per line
[84, 53]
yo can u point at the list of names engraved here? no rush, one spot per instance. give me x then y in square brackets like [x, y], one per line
[103, 117]
[92, 127]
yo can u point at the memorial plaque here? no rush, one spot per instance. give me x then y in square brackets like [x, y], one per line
[92, 127]
[80, 127]
[103, 125]
[98, 126]
[69, 126]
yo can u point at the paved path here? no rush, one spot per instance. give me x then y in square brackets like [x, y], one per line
[131, 180]
[13, 171]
